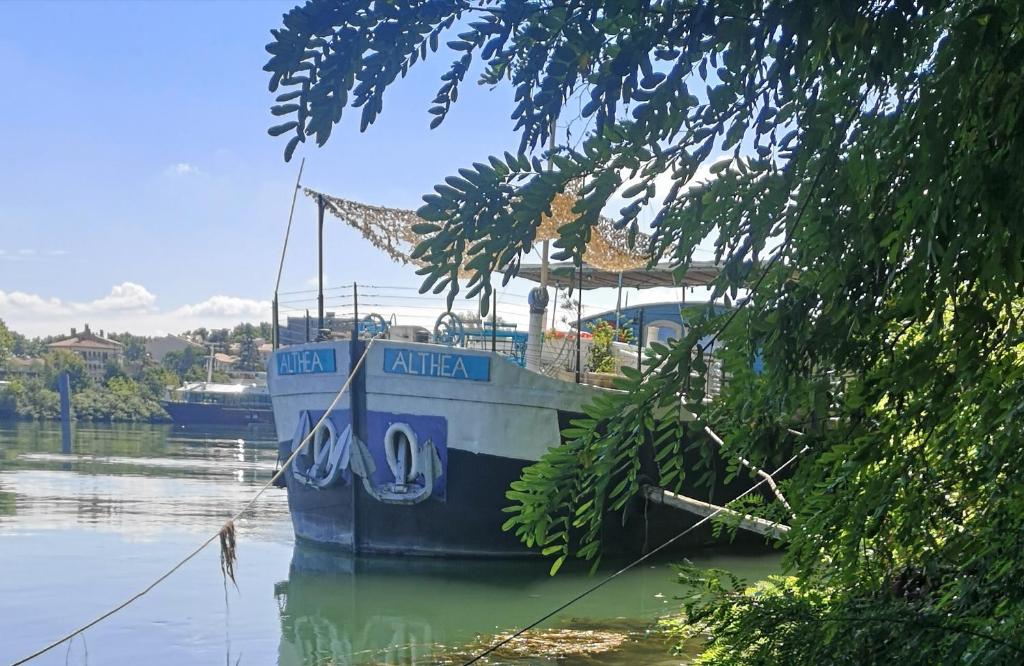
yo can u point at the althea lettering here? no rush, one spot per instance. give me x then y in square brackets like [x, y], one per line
[303, 362]
[430, 364]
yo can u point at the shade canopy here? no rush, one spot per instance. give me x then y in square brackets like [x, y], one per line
[699, 274]
[390, 229]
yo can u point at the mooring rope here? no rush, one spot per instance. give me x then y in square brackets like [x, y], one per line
[641, 559]
[228, 526]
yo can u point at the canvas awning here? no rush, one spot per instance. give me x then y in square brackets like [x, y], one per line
[699, 274]
[390, 229]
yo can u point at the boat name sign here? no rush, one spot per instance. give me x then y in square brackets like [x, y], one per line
[306, 362]
[437, 364]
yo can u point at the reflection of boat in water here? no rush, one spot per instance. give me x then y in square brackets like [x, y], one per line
[210, 403]
[339, 609]
[416, 457]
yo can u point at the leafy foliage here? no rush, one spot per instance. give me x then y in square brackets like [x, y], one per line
[62, 360]
[867, 183]
[600, 357]
[120, 399]
[6, 343]
[249, 355]
[778, 621]
[188, 364]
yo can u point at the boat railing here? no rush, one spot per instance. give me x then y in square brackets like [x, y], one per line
[402, 313]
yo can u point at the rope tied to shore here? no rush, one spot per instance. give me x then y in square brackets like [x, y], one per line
[226, 534]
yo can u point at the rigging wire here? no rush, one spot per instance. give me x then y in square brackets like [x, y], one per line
[288, 231]
[611, 577]
[215, 535]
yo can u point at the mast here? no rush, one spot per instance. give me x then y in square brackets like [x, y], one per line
[320, 274]
[538, 298]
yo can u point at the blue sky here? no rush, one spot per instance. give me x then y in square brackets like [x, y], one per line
[139, 189]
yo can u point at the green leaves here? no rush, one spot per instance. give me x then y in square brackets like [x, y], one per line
[858, 173]
[334, 56]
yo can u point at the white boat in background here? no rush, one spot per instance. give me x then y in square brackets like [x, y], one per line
[212, 403]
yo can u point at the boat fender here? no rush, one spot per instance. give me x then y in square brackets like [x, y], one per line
[391, 451]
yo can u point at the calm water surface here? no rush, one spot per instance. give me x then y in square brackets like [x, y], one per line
[80, 533]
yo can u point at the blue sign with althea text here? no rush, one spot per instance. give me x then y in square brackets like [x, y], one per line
[305, 362]
[448, 365]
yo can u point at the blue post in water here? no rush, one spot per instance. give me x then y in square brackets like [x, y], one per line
[64, 387]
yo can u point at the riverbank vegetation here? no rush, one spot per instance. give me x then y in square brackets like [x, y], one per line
[858, 171]
[118, 397]
[130, 390]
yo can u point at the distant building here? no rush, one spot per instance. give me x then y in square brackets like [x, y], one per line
[95, 350]
[19, 367]
[265, 350]
[297, 330]
[224, 362]
[158, 348]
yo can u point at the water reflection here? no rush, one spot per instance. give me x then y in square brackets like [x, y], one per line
[343, 610]
[336, 609]
[82, 532]
[137, 479]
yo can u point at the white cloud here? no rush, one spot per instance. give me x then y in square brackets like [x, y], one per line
[226, 306]
[30, 254]
[183, 169]
[31, 303]
[124, 296]
[126, 307]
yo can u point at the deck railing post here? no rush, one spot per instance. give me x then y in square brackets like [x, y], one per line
[579, 318]
[494, 321]
[355, 313]
[640, 339]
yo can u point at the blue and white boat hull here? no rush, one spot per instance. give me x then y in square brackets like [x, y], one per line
[460, 426]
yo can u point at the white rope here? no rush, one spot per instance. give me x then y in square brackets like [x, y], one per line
[215, 535]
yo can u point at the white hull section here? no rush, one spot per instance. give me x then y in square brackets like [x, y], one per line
[513, 413]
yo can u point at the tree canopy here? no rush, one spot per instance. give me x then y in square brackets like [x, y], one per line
[866, 187]
[6, 343]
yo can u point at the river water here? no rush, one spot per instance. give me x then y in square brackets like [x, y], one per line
[80, 533]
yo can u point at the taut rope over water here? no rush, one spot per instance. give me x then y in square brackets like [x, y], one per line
[641, 559]
[226, 534]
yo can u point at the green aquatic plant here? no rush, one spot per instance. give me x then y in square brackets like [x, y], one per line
[858, 168]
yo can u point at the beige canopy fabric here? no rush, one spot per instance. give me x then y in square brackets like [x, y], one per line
[390, 229]
[699, 274]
